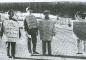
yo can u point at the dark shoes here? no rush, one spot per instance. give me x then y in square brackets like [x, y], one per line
[11, 56]
[79, 53]
[35, 52]
[47, 54]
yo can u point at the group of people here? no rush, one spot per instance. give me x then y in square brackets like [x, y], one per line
[11, 29]
[46, 28]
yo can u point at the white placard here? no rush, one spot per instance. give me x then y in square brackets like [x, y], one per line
[11, 29]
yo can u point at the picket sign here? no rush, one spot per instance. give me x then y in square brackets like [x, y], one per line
[11, 29]
[79, 28]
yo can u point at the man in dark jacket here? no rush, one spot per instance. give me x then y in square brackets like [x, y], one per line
[30, 25]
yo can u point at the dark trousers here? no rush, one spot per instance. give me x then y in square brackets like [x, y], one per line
[48, 43]
[33, 39]
[11, 46]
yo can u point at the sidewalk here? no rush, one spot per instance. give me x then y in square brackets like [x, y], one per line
[62, 44]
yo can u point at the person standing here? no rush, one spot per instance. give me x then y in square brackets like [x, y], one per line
[11, 29]
[47, 31]
[79, 31]
[30, 24]
[0, 26]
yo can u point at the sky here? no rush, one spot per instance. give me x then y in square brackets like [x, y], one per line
[1, 1]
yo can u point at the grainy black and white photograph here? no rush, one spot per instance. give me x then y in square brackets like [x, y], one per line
[42, 30]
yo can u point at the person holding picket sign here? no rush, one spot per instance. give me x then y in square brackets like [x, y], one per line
[11, 29]
[79, 28]
[79, 32]
[47, 30]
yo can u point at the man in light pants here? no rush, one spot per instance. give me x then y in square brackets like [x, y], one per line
[79, 29]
